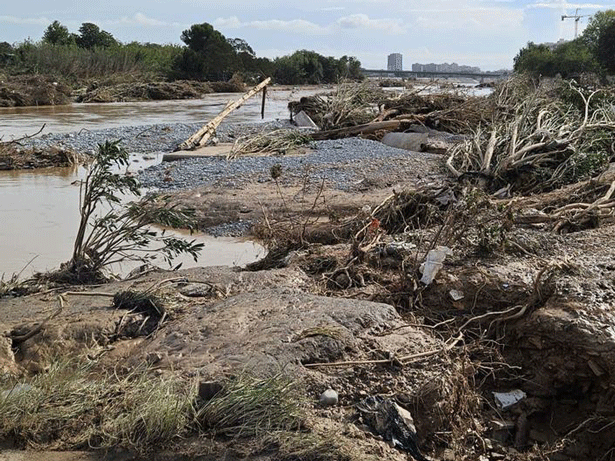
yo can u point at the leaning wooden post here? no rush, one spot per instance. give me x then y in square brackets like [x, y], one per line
[201, 137]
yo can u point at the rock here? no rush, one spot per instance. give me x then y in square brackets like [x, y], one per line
[153, 358]
[195, 290]
[407, 141]
[329, 398]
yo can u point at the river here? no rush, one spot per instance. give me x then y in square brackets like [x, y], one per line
[39, 208]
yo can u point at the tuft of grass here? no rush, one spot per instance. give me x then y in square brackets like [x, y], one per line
[249, 406]
[68, 407]
[151, 411]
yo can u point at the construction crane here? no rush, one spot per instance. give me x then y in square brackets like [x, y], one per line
[576, 17]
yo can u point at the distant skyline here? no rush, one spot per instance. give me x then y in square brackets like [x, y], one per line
[483, 33]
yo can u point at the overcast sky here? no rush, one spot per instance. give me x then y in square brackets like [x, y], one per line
[484, 33]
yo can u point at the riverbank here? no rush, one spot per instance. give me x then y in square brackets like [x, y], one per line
[36, 90]
[39, 90]
[460, 315]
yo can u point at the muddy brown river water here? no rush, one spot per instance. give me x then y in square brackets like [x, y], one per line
[39, 209]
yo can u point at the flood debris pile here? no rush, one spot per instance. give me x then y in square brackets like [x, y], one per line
[281, 142]
[460, 316]
[15, 157]
[541, 139]
[353, 110]
[150, 91]
[348, 105]
[33, 91]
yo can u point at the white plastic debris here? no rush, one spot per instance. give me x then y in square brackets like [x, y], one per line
[433, 263]
[506, 400]
[456, 295]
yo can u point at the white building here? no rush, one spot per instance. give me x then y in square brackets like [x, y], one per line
[395, 62]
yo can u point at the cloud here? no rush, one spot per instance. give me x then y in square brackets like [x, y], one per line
[363, 21]
[299, 26]
[139, 19]
[569, 6]
[487, 20]
[232, 22]
[303, 27]
[30, 21]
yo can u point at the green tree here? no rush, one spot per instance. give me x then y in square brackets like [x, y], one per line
[574, 58]
[209, 55]
[606, 47]
[91, 36]
[309, 67]
[534, 59]
[57, 34]
[568, 60]
[241, 46]
[121, 233]
[596, 26]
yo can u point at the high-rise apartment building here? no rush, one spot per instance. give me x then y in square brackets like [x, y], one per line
[395, 62]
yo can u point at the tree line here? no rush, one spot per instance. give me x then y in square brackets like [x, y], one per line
[207, 55]
[592, 52]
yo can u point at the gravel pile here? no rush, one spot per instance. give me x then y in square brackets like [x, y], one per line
[350, 164]
[146, 139]
[346, 164]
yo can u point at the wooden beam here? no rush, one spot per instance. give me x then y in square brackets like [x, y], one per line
[201, 137]
[390, 125]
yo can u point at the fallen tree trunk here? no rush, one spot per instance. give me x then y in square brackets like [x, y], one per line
[368, 128]
[201, 137]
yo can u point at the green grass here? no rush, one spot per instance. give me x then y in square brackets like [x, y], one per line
[72, 406]
[68, 407]
[249, 406]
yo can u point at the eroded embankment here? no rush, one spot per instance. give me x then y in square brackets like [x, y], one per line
[480, 329]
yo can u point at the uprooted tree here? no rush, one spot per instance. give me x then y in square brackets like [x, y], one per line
[122, 233]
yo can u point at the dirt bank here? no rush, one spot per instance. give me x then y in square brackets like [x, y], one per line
[412, 313]
[36, 90]
[13, 157]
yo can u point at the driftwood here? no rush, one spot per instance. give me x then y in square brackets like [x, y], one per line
[368, 128]
[201, 137]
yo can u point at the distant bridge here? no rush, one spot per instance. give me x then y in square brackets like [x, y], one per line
[412, 74]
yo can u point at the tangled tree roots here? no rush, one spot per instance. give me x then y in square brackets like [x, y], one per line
[540, 140]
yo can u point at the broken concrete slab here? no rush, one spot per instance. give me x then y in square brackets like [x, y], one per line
[303, 120]
[407, 141]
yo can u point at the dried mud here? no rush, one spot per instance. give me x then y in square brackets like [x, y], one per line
[514, 306]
